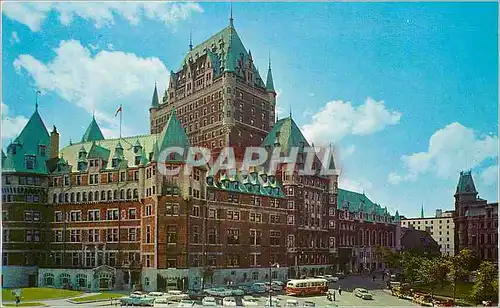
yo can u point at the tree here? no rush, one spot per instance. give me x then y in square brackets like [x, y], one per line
[390, 258]
[461, 265]
[434, 271]
[410, 264]
[484, 288]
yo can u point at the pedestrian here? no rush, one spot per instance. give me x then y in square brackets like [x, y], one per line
[17, 294]
[340, 290]
[333, 295]
[373, 277]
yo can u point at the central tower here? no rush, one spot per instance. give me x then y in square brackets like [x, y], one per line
[219, 96]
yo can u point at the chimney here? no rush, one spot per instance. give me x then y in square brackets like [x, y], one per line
[54, 143]
[439, 213]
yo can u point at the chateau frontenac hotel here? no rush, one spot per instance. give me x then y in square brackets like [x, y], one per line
[99, 215]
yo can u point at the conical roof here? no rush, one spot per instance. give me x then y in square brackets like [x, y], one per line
[173, 135]
[154, 101]
[466, 183]
[287, 134]
[269, 81]
[93, 132]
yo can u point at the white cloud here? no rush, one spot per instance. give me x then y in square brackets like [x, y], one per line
[489, 175]
[369, 118]
[98, 83]
[451, 149]
[100, 14]
[14, 38]
[11, 125]
[360, 186]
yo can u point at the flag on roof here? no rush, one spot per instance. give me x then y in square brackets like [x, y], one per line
[118, 110]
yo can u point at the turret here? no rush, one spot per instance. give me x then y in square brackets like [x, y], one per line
[93, 132]
[54, 143]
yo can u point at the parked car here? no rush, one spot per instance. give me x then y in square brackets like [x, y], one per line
[137, 300]
[156, 294]
[277, 285]
[331, 278]
[246, 289]
[340, 274]
[161, 302]
[292, 303]
[309, 304]
[362, 293]
[209, 301]
[250, 301]
[186, 303]
[259, 288]
[218, 292]
[228, 301]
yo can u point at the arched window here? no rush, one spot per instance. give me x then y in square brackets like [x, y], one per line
[84, 196]
[54, 198]
[374, 237]
[115, 194]
[81, 280]
[48, 279]
[61, 198]
[122, 194]
[66, 197]
[391, 239]
[129, 193]
[379, 238]
[360, 237]
[91, 196]
[103, 195]
[136, 193]
[64, 279]
[96, 196]
[78, 197]
[367, 237]
[109, 194]
[72, 197]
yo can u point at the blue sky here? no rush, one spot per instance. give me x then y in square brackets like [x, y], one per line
[407, 92]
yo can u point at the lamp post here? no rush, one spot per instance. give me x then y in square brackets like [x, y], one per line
[270, 281]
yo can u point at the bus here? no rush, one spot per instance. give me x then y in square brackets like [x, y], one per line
[306, 286]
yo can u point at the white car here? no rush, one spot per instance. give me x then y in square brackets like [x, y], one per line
[186, 303]
[156, 294]
[292, 303]
[331, 278]
[228, 301]
[250, 301]
[209, 301]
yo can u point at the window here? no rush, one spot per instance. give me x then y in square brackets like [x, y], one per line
[233, 236]
[290, 219]
[94, 215]
[30, 161]
[275, 237]
[233, 215]
[256, 217]
[196, 211]
[274, 218]
[149, 263]
[172, 209]
[213, 237]
[148, 210]
[132, 213]
[6, 235]
[58, 236]
[75, 215]
[28, 216]
[112, 235]
[112, 214]
[132, 234]
[213, 213]
[148, 234]
[171, 234]
[28, 235]
[93, 235]
[75, 236]
[196, 234]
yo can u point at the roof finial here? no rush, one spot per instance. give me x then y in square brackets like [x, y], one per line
[290, 110]
[269, 60]
[231, 14]
[190, 41]
[36, 99]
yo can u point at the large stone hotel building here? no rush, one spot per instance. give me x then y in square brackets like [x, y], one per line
[99, 215]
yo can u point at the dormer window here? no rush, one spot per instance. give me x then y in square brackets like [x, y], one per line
[115, 162]
[42, 150]
[137, 160]
[30, 161]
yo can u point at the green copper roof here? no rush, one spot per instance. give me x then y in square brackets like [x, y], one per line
[97, 151]
[173, 134]
[225, 49]
[93, 132]
[359, 202]
[29, 144]
[154, 101]
[397, 218]
[248, 185]
[466, 183]
[269, 81]
[287, 134]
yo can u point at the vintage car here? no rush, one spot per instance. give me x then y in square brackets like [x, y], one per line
[250, 301]
[291, 303]
[137, 300]
[228, 301]
[274, 302]
[209, 301]
[259, 288]
[218, 292]
[309, 304]
[362, 293]
[186, 303]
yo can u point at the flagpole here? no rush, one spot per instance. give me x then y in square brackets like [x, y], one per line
[121, 111]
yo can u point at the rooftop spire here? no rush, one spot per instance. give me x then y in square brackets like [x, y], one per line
[154, 101]
[231, 14]
[422, 211]
[190, 40]
[36, 99]
[269, 81]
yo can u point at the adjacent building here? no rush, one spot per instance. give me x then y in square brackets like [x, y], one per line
[441, 227]
[476, 220]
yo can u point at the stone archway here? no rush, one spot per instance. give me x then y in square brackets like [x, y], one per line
[104, 277]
